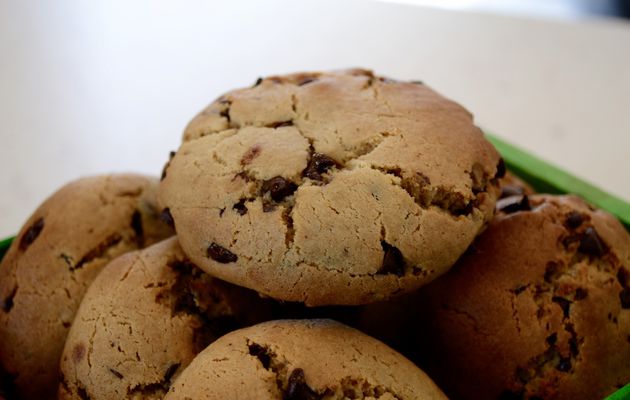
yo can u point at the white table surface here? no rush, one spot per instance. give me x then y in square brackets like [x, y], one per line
[89, 87]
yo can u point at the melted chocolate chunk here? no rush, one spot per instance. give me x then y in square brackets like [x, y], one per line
[297, 388]
[393, 261]
[500, 169]
[552, 339]
[31, 234]
[116, 373]
[514, 204]
[564, 304]
[278, 188]
[167, 218]
[280, 124]
[221, 254]
[240, 207]
[623, 276]
[552, 270]
[511, 190]
[318, 164]
[581, 293]
[258, 81]
[591, 244]
[261, 353]
[624, 297]
[574, 220]
[306, 81]
[7, 303]
[564, 365]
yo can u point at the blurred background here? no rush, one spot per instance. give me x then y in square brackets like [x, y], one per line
[108, 86]
[535, 8]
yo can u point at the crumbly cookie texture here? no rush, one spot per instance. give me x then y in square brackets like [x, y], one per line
[330, 188]
[55, 257]
[144, 319]
[538, 308]
[301, 359]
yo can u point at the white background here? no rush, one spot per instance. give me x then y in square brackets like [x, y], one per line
[94, 87]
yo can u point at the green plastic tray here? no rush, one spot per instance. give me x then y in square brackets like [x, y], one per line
[544, 178]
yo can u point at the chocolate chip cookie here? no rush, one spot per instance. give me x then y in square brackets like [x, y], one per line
[538, 308]
[55, 257]
[301, 359]
[144, 319]
[330, 188]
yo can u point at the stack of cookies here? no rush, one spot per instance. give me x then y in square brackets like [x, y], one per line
[288, 248]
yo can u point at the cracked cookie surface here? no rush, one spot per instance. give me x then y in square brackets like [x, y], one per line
[55, 257]
[301, 359]
[330, 188]
[536, 309]
[144, 319]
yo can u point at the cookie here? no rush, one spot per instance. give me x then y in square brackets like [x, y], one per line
[301, 359]
[144, 319]
[538, 308]
[512, 185]
[330, 188]
[56, 255]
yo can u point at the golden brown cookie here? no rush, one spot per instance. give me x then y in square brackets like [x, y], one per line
[538, 308]
[301, 359]
[331, 188]
[144, 319]
[55, 257]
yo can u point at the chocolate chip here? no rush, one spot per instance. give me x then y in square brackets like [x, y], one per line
[261, 353]
[624, 297]
[116, 373]
[552, 271]
[500, 169]
[136, 225]
[250, 154]
[564, 365]
[564, 304]
[306, 81]
[623, 276]
[580, 293]
[78, 352]
[317, 165]
[591, 244]
[511, 190]
[552, 339]
[258, 81]
[240, 207]
[280, 124]
[31, 234]
[417, 82]
[297, 389]
[168, 163]
[574, 220]
[221, 254]
[7, 303]
[278, 188]
[170, 371]
[167, 218]
[513, 204]
[519, 289]
[393, 261]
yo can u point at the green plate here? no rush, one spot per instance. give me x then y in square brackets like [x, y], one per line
[4, 246]
[544, 178]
